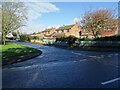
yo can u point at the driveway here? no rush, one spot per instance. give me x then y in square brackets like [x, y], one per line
[61, 68]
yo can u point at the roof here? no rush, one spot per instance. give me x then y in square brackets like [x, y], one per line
[49, 35]
[109, 33]
[58, 35]
[65, 27]
[46, 30]
[40, 32]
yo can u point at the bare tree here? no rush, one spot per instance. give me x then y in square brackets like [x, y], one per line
[98, 20]
[13, 17]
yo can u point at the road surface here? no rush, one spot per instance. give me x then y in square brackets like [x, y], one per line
[61, 68]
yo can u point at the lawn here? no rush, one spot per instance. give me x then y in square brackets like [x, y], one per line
[12, 52]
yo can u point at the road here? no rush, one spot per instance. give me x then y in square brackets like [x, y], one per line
[61, 68]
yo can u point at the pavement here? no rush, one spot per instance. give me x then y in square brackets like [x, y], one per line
[62, 68]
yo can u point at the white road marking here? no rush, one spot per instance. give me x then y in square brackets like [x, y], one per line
[78, 53]
[98, 57]
[80, 60]
[110, 81]
[83, 60]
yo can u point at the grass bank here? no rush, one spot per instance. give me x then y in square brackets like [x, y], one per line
[12, 53]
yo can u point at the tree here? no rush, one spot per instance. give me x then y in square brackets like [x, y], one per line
[13, 17]
[119, 25]
[98, 20]
[35, 38]
[34, 32]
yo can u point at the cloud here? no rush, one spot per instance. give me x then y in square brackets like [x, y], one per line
[77, 20]
[54, 26]
[63, 0]
[36, 9]
[32, 28]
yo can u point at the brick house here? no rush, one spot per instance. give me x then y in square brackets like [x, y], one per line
[40, 34]
[75, 30]
[47, 33]
[67, 30]
[102, 33]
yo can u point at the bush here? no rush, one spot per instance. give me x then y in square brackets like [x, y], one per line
[70, 40]
[36, 37]
[112, 38]
[85, 39]
[25, 38]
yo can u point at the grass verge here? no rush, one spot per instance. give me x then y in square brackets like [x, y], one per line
[12, 53]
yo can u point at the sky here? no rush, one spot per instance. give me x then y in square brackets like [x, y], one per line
[54, 14]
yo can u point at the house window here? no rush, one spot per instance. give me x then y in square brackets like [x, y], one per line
[67, 30]
[60, 31]
[80, 33]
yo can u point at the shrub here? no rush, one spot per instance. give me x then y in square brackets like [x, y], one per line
[25, 38]
[36, 37]
[85, 39]
[70, 39]
[111, 38]
[62, 39]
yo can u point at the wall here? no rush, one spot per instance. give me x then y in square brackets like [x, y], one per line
[73, 31]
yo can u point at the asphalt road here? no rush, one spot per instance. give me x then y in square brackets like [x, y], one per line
[61, 68]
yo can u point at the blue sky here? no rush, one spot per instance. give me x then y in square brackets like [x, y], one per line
[60, 13]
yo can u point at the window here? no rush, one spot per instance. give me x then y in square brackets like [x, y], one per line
[80, 33]
[67, 30]
[48, 32]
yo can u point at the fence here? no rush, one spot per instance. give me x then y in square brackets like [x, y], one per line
[98, 43]
[91, 43]
[49, 41]
[61, 44]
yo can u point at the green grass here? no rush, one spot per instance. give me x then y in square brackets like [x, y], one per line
[15, 51]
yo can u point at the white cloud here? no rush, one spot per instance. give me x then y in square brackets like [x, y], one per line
[37, 9]
[32, 28]
[77, 20]
[62, 0]
[54, 26]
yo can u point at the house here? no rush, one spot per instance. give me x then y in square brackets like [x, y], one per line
[40, 34]
[47, 33]
[67, 30]
[101, 33]
[75, 30]
[107, 33]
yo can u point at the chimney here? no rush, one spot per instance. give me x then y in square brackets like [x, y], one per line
[76, 23]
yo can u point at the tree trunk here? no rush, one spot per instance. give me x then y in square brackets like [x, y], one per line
[94, 34]
[3, 38]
